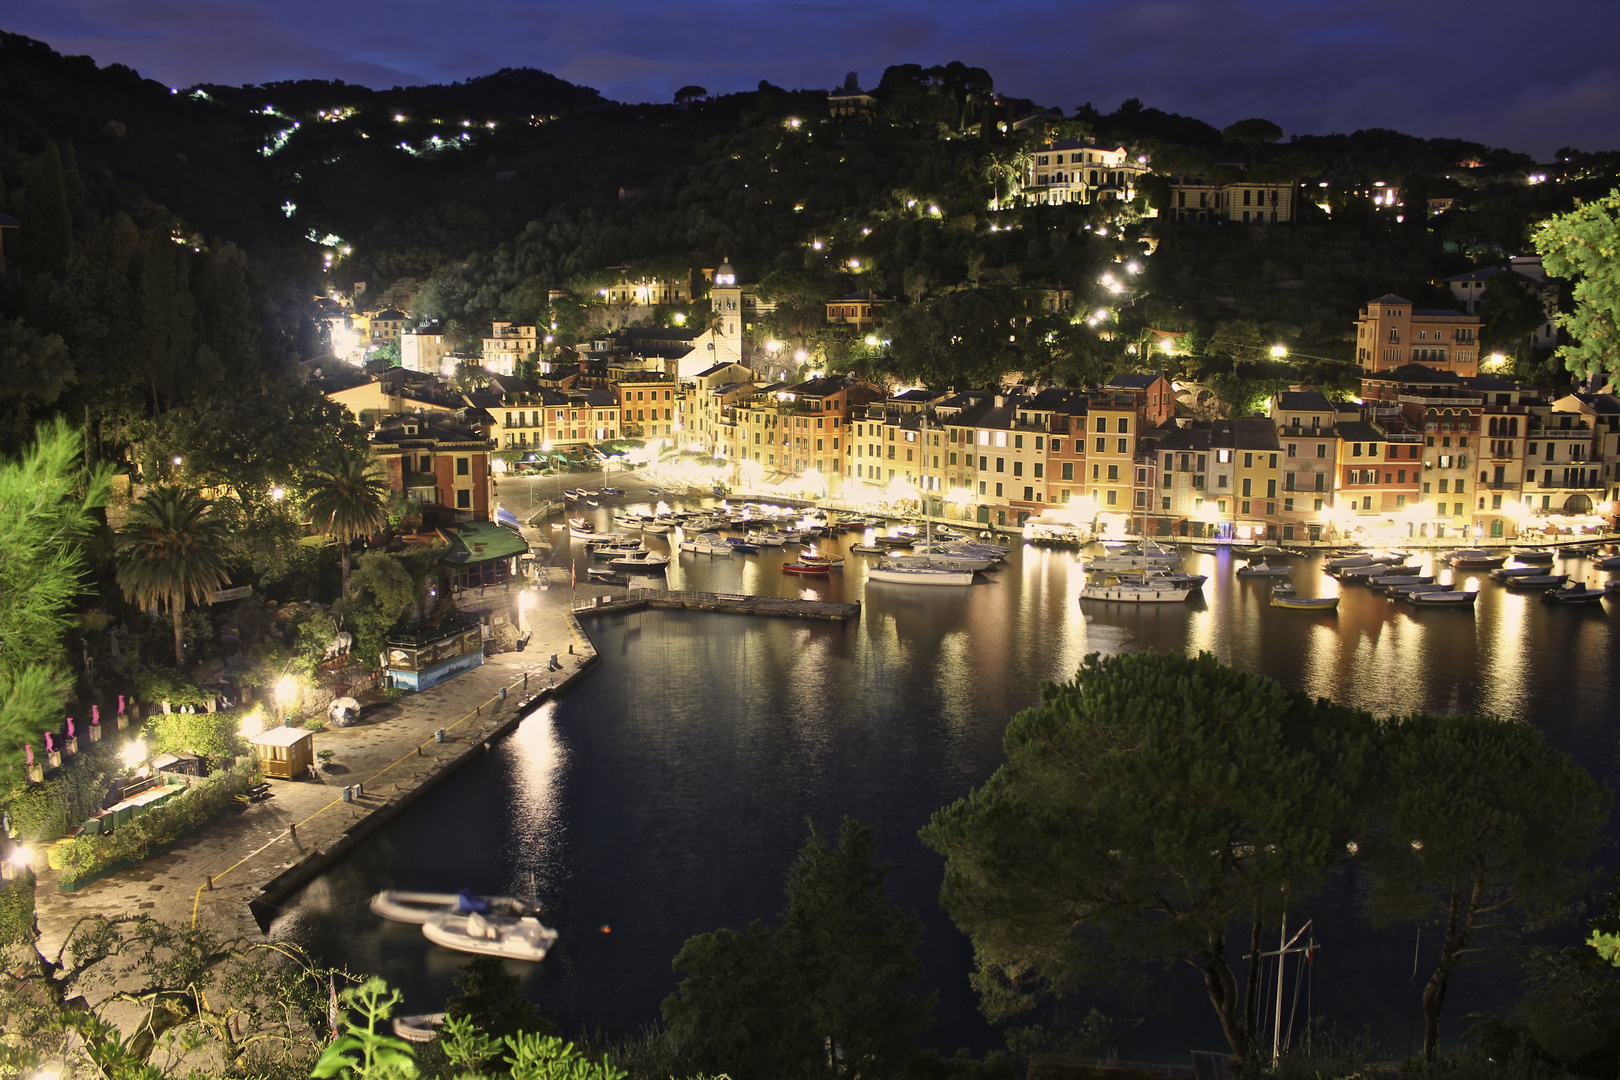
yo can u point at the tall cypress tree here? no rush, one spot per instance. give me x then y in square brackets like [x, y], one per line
[168, 321]
[47, 227]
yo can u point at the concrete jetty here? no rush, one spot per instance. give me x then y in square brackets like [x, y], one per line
[738, 603]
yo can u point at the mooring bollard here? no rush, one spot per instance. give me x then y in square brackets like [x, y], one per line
[503, 693]
[360, 789]
[210, 882]
[348, 794]
[292, 830]
[525, 682]
[438, 736]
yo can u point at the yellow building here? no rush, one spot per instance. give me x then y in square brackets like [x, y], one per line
[508, 345]
[1111, 432]
[1307, 434]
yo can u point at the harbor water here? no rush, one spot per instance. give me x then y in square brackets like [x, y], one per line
[667, 794]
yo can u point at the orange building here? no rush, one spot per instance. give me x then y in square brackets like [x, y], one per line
[1391, 333]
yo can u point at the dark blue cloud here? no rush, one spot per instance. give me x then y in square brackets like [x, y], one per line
[1530, 76]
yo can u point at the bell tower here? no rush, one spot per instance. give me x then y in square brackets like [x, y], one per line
[725, 298]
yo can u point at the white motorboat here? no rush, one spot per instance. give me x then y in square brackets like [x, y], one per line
[869, 549]
[421, 1028]
[419, 907]
[1610, 562]
[657, 526]
[641, 560]
[578, 526]
[492, 935]
[916, 572]
[1346, 562]
[1264, 569]
[1135, 592]
[625, 520]
[707, 544]
[770, 538]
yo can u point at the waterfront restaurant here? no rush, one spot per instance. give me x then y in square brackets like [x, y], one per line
[418, 659]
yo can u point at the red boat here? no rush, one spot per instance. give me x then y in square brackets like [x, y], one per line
[804, 568]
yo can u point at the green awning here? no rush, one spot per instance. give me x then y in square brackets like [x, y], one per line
[474, 542]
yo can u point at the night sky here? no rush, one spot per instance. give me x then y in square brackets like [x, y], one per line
[1532, 75]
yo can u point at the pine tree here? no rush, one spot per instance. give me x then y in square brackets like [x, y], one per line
[44, 520]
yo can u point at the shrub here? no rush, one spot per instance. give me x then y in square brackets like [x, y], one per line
[16, 913]
[215, 735]
[156, 684]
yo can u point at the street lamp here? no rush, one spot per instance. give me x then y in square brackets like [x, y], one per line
[1279, 351]
[286, 692]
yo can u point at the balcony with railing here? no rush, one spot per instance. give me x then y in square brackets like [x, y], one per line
[1581, 432]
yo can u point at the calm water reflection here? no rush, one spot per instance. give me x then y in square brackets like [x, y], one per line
[666, 796]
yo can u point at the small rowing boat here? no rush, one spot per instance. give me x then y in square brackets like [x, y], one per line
[1305, 603]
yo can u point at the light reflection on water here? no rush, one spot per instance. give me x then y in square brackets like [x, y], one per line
[667, 794]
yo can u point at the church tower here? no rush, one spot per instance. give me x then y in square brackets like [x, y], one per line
[725, 298]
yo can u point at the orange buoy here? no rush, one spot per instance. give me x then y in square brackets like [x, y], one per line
[607, 929]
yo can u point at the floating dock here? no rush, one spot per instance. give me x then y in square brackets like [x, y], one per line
[781, 606]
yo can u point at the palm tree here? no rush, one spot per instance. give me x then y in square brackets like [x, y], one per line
[348, 499]
[171, 549]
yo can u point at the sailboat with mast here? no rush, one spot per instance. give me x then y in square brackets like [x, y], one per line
[934, 568]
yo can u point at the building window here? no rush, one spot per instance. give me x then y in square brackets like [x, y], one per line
[1223, 456]
[1068, 470]
[463, 499]
[462, 466]
[1125, 446]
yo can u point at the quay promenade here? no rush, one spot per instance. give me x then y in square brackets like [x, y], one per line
[243, 862]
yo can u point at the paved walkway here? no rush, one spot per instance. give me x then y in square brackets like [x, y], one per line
[210, 877]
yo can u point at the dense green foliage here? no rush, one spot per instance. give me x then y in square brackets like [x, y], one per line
[819, 995]
[44, 811]
[381, 591]
[1146, 808]
[1484, 833]
[493, 1002]
[1584, 246]
[1156, 804]
[45, 503]
[215, 735]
